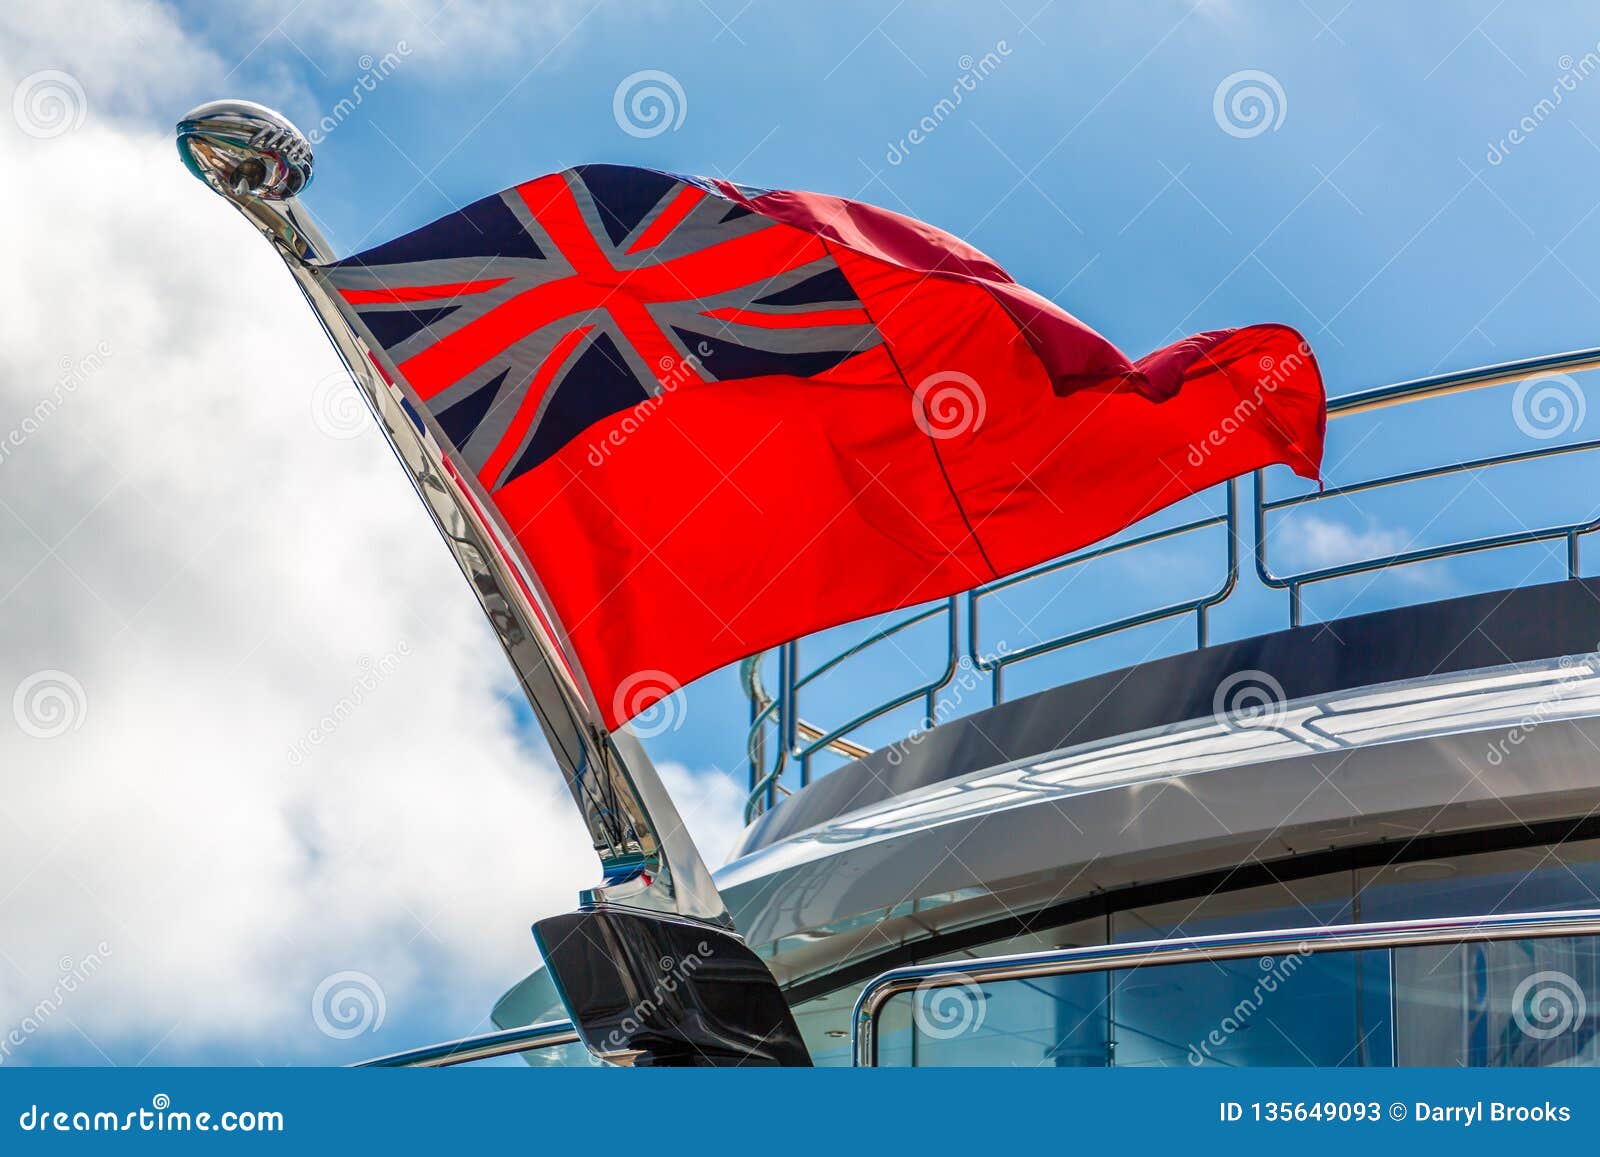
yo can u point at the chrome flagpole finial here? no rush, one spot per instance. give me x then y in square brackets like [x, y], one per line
[257, 159]
[244, 149]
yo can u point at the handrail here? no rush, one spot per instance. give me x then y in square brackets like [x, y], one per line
[504, 1043]
[762, 700]
[1441, 385]
[797, 740]
[1460, 381]
[1231, 946]
[1198, 607]
[765, 784]
[762, 704]
[927, 690]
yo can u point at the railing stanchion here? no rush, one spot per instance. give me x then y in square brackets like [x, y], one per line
[786, 712]
[756, 746]
[791, 712]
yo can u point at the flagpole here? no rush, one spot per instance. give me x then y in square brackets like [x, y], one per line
[259, 162]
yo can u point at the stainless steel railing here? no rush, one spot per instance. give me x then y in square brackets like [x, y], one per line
[764, 785]
[1198, 607]
[507, 1042]
[1384, 396]
[879, 991]
[779, 737]
[783, 708]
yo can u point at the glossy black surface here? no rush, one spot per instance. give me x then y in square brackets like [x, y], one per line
[650, 990]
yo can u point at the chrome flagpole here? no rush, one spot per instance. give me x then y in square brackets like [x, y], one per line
[656, 902]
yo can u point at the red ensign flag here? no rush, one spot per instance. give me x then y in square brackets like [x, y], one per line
[716, 418]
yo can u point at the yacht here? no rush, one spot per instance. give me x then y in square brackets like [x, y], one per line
[1370, 840]
[1316, 806]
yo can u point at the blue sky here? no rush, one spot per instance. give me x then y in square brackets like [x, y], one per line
[1089, 159]
[1385, 214]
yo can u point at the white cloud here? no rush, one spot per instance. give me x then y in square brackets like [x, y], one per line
[132, 57]
[452, 35]
[711, 805]
[180, 541]
[1318, 542]
[147, 59]
[179, 538]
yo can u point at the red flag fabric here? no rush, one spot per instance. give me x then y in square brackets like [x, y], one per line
[716, 418]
